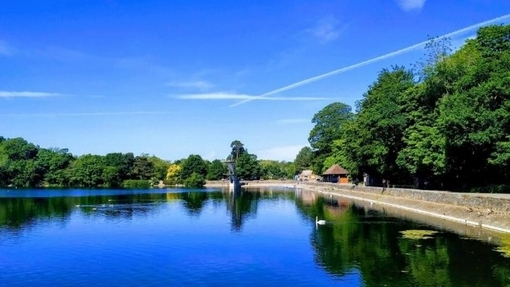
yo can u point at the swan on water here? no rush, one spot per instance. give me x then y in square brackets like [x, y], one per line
[320, 222]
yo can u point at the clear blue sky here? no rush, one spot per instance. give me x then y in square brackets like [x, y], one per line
[159, 77]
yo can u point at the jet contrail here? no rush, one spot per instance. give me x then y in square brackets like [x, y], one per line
[364, 63]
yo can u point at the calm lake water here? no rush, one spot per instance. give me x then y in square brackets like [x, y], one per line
[209, 237]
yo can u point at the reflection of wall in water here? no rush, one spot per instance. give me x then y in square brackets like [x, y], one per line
[308, 196]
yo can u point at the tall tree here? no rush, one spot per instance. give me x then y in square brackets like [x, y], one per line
[160, 167]
[271, 169]
[237, 149]
[19, 161]
[193, 164]
[217, 170]
[87, 171]
[248, 167]
[142, 168]
[122, 165]
[380, 124]
[54, 163]
[304, 159]
[328, 123]
[475, 116]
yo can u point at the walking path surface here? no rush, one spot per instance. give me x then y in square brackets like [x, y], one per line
[488, 211]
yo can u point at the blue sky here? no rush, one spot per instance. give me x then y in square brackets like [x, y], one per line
[164, 77]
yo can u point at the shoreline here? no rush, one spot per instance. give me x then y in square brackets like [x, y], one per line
[485, 211]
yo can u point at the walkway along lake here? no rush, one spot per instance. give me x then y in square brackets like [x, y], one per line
[488, 211]
[264, 236]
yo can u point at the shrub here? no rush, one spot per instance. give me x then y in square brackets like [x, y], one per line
[172, 181]
[195, 180]
[136, 183]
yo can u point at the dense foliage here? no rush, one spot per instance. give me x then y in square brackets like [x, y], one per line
[194, 180]
[23, 164]
[304, 159]
[136, 183]
[446, 124]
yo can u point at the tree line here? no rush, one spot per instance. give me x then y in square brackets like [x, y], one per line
[24, 164]
[444, 123]
[193, 171]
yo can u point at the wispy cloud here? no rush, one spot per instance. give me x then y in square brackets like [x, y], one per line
[8, 94]
[326, 30]
[5, 49]
[199, 85]
[409, 5]
[286, 153]
[85, 114]
[293, 121]
[231, 96]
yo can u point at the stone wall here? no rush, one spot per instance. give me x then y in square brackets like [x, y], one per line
[475, 201]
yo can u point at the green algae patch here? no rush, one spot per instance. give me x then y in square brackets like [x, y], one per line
[416, 234]
[504, 248]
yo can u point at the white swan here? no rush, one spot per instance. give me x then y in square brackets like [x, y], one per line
[319, 222]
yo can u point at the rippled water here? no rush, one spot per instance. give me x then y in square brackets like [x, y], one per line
[209, 237]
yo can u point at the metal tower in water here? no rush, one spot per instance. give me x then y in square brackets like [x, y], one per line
[233, 183]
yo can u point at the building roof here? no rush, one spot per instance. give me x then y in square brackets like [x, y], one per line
[335, 169]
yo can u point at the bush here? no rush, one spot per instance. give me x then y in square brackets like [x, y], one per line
[195, 180]
[494, 188]
[171, 182]
[136, 183]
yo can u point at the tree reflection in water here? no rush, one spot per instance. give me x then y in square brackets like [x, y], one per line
[357, 239]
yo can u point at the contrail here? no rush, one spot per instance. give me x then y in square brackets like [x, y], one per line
[367, 62]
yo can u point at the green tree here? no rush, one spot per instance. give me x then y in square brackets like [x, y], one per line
[54, 162]
[193, 164]
[303, 159]
[217, 170]
[194, 180]
[423, 154]
[438, 49]
[160, 167]
[248, 167]
[123, 163]
[474, 114]
[237, 150]
[87, 171]
[380, 125]
[142, 168]
[18, 161]
[18, 149]
[271, 169]
[328, 123]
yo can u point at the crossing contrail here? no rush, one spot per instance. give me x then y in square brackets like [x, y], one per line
[367, 62]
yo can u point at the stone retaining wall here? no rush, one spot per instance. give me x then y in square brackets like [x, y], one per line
[475, 201]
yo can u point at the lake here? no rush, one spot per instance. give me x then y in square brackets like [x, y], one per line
[210, 237]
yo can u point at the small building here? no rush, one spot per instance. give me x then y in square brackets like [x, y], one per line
[307, 175]
[337, 174]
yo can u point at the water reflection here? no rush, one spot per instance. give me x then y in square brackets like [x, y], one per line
[358, 238]
[16, 212]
